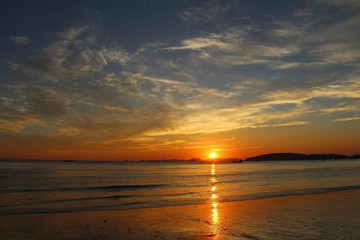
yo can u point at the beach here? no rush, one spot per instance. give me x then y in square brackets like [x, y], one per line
[332, 215]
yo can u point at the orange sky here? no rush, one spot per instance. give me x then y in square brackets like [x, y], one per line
[241, 143]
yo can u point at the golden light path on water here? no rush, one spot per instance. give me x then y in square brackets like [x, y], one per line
[214, 200]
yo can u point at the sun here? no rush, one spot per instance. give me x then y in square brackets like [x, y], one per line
[212, 155]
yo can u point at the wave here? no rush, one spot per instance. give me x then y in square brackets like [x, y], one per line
[114, 202]
[77, 189]
[290, 192]
[115, 197]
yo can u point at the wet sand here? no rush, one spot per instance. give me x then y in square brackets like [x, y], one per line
[334, 215]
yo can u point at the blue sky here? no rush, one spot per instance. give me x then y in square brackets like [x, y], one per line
[147, 79]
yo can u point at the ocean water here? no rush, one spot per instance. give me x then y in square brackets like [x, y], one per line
[57, 186]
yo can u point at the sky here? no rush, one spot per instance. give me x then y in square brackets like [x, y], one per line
[163, 79]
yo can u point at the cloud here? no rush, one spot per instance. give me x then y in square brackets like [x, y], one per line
[198, 43]
[342, 89]
[118, 84]
[304, 12]
[72, 33]
[249, 103]
[287, 29]
[271, 109]
[14, 120]
[34, 105]
[335, 44]
[205, 11]
[283, 32]
[160, 80]
[338, 54]
[20, 40]
[340, 2]
[45, 102]
[347, 119]
[74, 56]
[213, 120]
[234, 47]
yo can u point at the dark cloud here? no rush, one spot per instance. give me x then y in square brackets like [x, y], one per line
[40, 63]
[45, 102]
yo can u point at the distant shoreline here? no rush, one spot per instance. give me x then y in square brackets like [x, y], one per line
[263, 157]
[298, 156]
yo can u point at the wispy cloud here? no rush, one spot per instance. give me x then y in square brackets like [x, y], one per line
[20, 40]
[74, 55]
[347, 119]
[340, 2]
[211, 41]
[235, 47]
[204, 11]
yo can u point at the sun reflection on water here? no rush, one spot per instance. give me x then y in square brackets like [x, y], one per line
[214, 200]
[215, 215]
[213, 169]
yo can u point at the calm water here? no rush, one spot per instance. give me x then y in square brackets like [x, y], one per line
[56, 186]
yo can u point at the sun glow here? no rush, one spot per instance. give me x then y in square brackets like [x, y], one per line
[212, 155]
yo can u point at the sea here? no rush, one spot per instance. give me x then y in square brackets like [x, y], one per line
[29, 186]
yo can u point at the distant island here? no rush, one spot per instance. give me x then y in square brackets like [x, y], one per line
[264, 157]
[298, 156]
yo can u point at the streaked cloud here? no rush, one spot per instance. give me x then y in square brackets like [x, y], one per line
[347, 119]
[205, 11]
[20, 40]
[236, 47]
[340, 2]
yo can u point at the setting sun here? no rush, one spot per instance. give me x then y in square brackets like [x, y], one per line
[212, 155]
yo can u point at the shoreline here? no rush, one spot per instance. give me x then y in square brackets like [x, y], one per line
[330, 215]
